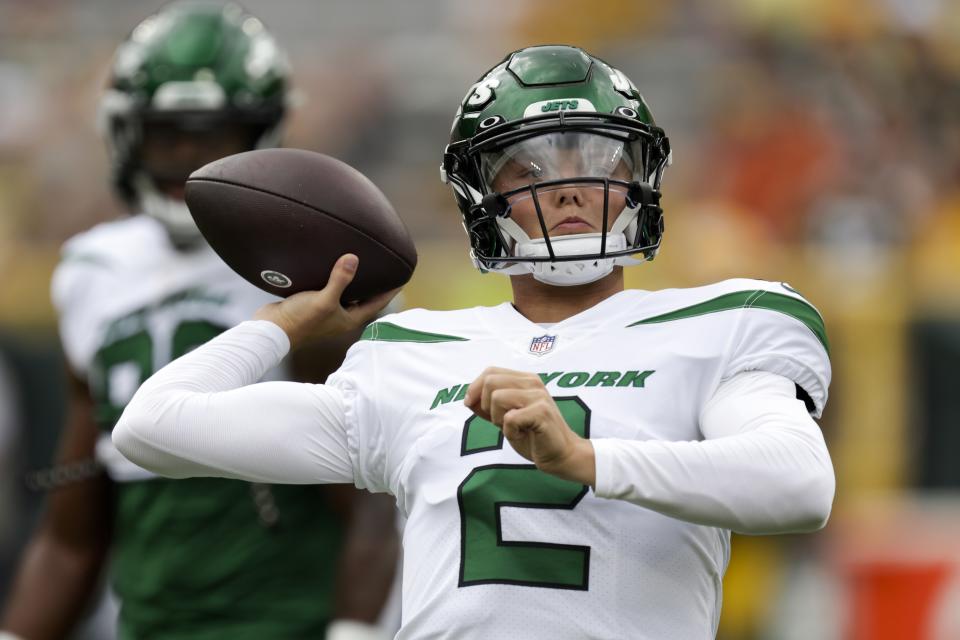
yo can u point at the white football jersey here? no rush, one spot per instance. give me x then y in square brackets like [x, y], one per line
[129, 302]
[493, 547]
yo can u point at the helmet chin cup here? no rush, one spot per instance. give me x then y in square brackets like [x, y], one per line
[570, 272]
[172, 213]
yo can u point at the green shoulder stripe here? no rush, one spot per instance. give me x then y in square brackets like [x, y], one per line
[758, 299]
[388, 332]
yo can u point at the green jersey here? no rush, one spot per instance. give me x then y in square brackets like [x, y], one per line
[200, 558]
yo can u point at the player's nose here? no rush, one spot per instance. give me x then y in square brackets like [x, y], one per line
[572, 196]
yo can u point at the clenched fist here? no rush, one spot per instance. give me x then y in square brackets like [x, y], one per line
[519, 404]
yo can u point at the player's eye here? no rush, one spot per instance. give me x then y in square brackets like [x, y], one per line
[531, 171]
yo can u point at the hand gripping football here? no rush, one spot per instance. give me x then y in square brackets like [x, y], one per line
[281, 217]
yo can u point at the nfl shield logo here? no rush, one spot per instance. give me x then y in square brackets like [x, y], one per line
[542, 345]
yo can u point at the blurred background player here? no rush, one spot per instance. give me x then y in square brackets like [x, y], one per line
[213, 558]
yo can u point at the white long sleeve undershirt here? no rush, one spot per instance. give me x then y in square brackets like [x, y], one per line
[762, 468]
[204, 414]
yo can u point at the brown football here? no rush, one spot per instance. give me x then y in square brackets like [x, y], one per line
[281, 217]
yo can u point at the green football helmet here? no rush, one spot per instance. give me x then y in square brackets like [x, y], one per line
[533, 112]
[194, 82]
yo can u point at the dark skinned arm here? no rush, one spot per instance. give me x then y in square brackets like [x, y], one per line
[368, 560]
[371, 548]
[62, 561]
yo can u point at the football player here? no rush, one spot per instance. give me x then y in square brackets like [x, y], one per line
[208, 558]
[571, 464]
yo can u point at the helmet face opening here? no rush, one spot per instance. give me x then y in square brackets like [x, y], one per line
[172, 149]
[554, 158]
[609, 210]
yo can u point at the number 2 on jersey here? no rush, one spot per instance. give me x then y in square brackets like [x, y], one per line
[485, 557]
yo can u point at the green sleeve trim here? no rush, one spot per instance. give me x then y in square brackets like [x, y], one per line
[388, 332]
[758, 299]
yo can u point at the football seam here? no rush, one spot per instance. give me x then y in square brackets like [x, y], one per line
[309, 206]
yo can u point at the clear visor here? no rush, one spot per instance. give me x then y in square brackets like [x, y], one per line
[561, 156]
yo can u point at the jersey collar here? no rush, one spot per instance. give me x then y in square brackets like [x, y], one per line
[513, 327]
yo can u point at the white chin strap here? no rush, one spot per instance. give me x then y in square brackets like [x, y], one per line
[173, 214]
[568, 273]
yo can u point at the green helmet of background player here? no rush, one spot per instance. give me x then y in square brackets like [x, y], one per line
[192, 83]
[537, 103]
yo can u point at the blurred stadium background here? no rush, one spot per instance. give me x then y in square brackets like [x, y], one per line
[815, 141]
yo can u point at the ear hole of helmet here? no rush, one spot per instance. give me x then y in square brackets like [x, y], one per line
[486, 237]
